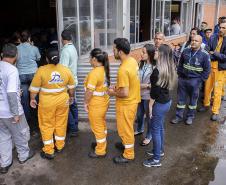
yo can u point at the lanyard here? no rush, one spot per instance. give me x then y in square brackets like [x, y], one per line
[144, 71]
[191, 56]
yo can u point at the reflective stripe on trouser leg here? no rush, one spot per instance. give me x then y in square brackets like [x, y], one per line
[209, 85]
[218, 92]
[98, 126]
[125, 116]
[46, 119]
[61, 124]
[181, 97]
[193, 93]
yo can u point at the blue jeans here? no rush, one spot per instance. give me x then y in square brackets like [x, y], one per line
[143, 109]
[30, 114]
[73, 118]
[157, 127]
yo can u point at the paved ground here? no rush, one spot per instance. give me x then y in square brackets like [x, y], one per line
[188, 160]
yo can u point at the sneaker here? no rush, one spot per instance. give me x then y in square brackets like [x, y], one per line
[152, 163]
[152, 154]
[92, 154]
[121, 160]
[4, 170]
[30, 155]
[214, 117]
[176, 120]
[136, 133]
[189, 121]
[203, 109]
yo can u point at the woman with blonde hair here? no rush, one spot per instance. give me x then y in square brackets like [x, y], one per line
[162, 80]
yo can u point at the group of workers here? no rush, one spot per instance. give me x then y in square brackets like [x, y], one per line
[142, 93]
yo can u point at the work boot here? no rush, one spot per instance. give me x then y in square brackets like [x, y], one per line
[203, 109]
[176, 120]
[119, 146]
[121, 160]
[47, 156]
[30, 155]
[92, 154]
[214, 117]
[189, 121]
[4, 170]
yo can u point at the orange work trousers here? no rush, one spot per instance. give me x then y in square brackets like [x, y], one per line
[97, 118]
[53, 122]
[125, 116]
[214, 84]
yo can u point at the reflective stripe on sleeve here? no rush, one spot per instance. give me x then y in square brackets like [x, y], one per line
[129, 146]
[32, 88]
[91, 86]
[101, 140]
[48, 142]
[52, 90]
[105, 131]
[58, 138]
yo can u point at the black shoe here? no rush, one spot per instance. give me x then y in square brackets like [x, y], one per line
[121, 160]
[176, 120]
[119, 146]
[4, 170]
[93, 145]
[47, 156]
[58, 151]
[215, 117]
[30, 155]
[203, 109]
[189, 121]
[92, 154]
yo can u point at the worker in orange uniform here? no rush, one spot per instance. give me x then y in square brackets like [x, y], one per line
[96, 100]
[127, 93]
[53, 82]
[217, 46]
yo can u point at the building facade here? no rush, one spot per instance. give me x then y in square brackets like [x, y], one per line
[96, 23]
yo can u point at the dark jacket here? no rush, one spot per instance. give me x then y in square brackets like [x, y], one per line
[194, 64]
[218, 56]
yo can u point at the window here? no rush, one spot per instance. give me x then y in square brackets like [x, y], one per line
[148, 17]
[93, 23]
[140, 20]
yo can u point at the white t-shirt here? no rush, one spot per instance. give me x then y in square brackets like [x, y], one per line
[9, 82]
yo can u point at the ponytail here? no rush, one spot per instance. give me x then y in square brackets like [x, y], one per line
[53, 56]
[107, 67]
[102, 57]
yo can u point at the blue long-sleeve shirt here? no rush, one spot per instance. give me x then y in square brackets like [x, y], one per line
[194, 64]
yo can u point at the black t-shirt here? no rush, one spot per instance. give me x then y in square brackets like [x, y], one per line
[159, 94]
